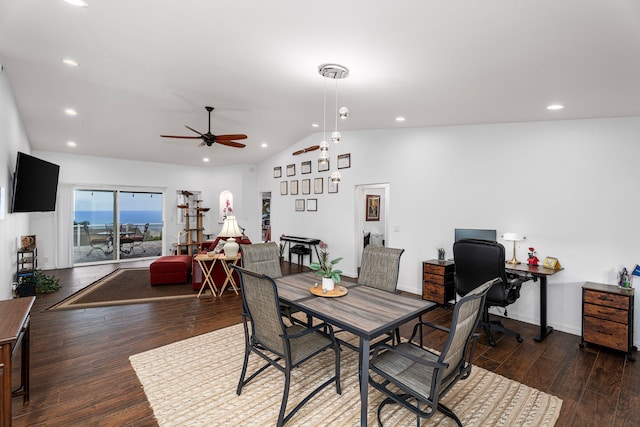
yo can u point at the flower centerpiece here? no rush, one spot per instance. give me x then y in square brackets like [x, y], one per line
[325, 268]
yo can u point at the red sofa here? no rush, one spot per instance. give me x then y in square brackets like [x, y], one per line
[218, 273]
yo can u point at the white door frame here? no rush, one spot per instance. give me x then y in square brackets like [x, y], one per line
[359, 220]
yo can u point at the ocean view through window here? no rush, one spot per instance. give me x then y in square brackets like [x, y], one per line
[112, 225]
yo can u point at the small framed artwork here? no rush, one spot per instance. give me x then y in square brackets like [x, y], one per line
[283, 188]
[291, 170]
[293, 187]
[306, 186]
[277, 172]
[323, 166]
[299, 205]
[312, 205]
[373, 208]
[344, 161]
[332, 186]
[318, 185]
[305, 167]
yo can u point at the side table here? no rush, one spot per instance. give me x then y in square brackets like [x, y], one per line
[207, 263]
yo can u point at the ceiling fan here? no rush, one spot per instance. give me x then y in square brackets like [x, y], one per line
[209, 139]
[306, 150]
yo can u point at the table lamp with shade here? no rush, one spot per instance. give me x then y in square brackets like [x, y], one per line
[230, 229]
[513, 237]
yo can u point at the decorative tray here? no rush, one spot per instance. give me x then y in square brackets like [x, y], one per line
[338, 291]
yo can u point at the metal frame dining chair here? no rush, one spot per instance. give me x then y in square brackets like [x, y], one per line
[283, 347]
[412, 375]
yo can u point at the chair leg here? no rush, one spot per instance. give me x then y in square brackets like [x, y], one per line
[285, 396]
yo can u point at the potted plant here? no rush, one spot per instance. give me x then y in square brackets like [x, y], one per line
[38, 282]
[325, 268]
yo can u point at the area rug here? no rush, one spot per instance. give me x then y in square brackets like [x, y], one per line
[123, 286]
[193, 383]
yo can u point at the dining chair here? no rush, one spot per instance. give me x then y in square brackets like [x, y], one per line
[379, 269]
[283, 347]
[97, 242]
[412, 375]
[264, 258]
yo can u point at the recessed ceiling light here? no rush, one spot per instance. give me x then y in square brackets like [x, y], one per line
[71, 144]
[79, 3]
[555, 107]
[315, 125]
[264, 145]
[70, 112]
[70, 62]
[400, 119]
[206, 159]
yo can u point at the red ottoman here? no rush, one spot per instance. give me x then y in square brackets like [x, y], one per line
[170, 269]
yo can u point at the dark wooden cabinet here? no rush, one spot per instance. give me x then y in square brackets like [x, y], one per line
[607, 317]
[437, 281]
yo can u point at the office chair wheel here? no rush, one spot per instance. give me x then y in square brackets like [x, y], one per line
[519, 338]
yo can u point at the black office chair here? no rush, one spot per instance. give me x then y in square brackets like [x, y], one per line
[478, 261]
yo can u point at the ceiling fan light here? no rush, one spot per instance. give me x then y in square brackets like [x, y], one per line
[335, 137]
[324, 145]
[336, 177]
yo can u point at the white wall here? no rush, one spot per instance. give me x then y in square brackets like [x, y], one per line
[13, 138]
[99, 172]
[569, 186]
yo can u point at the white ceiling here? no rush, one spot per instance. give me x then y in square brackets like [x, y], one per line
[148, 67]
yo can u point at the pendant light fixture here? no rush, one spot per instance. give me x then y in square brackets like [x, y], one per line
[336, 72]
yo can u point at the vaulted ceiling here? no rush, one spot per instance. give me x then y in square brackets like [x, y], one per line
[148, 67]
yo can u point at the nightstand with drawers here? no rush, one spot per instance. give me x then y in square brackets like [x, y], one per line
[607, 317]
[437, 281]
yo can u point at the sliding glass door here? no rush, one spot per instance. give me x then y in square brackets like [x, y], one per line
[114, 225]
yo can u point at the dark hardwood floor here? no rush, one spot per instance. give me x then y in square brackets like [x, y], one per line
[81, 375]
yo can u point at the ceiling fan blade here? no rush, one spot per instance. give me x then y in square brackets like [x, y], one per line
[306, 150]
[192, 129]
[230, 137]
[184, 137]
[231, 144]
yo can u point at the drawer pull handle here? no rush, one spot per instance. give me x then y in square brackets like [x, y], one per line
[604, 297]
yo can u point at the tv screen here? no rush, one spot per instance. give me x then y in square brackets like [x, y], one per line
[35, 185]
[471, 233]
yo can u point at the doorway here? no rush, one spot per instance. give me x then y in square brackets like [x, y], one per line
[371, 229]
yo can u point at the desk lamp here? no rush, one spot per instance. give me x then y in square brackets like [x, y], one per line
[230, 229]
[513, 237]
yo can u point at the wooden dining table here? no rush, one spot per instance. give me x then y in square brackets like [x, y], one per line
[364, 311]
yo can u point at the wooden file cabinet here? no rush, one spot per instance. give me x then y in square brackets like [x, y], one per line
[607, 317]
[437, 281]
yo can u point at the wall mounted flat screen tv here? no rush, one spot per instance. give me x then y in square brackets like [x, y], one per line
[472, 233]
[35, 185]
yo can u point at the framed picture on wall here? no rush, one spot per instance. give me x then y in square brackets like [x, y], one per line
[283, 188]
[373, 208]
[305, 167]
[332, 186]
[344, 161]
[277, 172]
[306, 186]
[299, 205]
[318, 185]
[291, 170]
[294, 187]
[312, 205]
[323, 166]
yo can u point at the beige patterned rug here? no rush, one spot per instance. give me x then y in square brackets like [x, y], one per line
[193, 383]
